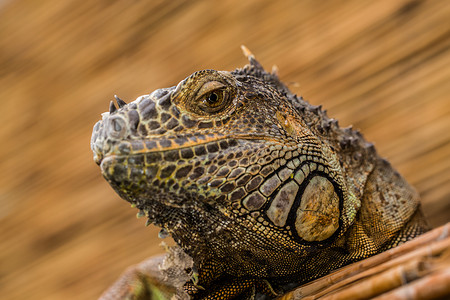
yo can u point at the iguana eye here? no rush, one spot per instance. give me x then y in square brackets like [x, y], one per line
[212, 97]
[213, 101]
[207, 93]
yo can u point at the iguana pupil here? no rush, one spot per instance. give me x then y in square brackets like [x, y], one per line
[213, 98]
[213, 102]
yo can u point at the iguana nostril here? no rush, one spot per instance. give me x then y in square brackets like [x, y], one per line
[117, 127]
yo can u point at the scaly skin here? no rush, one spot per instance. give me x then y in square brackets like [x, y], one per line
[260, 188]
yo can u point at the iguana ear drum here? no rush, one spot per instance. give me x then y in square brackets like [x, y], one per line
[317, 217]
[306, 203]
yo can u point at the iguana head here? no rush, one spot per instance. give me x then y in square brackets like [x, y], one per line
[223, 155]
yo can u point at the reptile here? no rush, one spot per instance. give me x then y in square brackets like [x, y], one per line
[260, 188]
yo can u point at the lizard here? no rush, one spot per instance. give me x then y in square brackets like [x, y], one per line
[260, 188]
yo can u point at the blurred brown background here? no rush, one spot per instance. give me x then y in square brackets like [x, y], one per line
[383, 66]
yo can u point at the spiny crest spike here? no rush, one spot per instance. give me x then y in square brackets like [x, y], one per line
[112, 107]
[120, 102]
[251, 58]
[275, 70]
[247, 52]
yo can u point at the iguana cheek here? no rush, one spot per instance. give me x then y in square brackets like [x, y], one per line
[317, 217]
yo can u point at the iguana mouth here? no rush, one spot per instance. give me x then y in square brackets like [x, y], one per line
[164, 163]
[170, 147]
[161, 163]
[197, 144]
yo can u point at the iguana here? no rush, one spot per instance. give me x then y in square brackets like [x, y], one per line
[261, 189]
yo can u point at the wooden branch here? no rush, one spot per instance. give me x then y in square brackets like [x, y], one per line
[419, 269]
